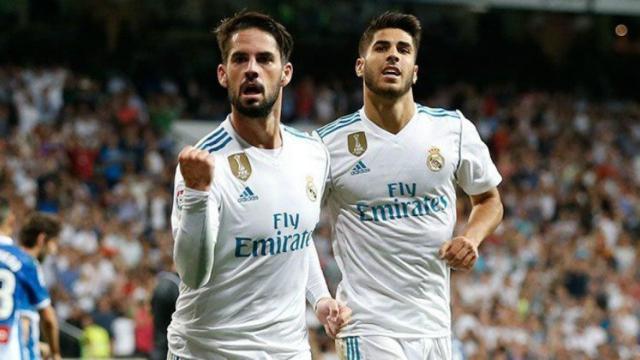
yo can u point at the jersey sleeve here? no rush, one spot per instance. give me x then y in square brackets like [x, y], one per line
[316, 288]
[32, 281]
[179, 197]
[326, 186]
[476, 173]
[194, 224]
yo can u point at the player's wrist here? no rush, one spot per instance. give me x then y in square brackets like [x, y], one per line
[194, 201]
[475, 241]
[198, 186]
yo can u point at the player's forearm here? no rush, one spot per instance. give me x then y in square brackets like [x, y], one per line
[316, 288]
[195, 238]
[50, 330]
[485, 216]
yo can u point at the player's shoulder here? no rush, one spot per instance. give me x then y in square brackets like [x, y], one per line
[15, 258]
[340, 125]
[305, 143]
[439, 114]
[299, 136]
[217, 141]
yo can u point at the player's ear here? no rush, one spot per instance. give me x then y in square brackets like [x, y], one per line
[360, 66]
[41, 239]
[287, 74]
[222, 75]
[52, 246]
[415, 74]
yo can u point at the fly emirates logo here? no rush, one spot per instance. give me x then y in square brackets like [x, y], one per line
[287, 238]
[404, 204]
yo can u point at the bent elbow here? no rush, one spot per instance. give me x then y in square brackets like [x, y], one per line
[191, 282]
[193, 277]
[194, 281]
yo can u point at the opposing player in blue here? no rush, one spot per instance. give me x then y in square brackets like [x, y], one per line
[22, 289]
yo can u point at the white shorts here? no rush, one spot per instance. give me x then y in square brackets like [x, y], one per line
[388, 348]
[302, 356]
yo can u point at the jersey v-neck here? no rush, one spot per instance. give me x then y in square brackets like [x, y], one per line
[385, 134]
[269, 155]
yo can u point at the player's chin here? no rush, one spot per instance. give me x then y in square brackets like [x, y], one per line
[392, 89]
[387, 83]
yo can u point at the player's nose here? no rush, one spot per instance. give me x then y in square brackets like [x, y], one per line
[393, 57]
[250, 74]
[251, 71]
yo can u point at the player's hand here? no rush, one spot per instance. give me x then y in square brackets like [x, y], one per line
[459, 253]
[45, 350]
[196, 167]
[333, 315]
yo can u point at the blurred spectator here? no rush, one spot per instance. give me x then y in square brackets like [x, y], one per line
[103, 315]
[163, 304]
[95, 340]
[124, 343]
[143, 326]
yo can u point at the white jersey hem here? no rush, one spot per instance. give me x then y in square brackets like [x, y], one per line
[430, 335]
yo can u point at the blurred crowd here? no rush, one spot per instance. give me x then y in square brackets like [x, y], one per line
[557, 280]
[99, 156]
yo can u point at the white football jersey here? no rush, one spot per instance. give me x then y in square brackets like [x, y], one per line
[392, 203]
[268, 201]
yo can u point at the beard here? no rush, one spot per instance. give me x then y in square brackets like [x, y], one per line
[256, 110]
[386, 92]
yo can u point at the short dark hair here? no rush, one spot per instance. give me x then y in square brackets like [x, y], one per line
[391, 20]
[5, 210]
[251, 19]
[37, 224]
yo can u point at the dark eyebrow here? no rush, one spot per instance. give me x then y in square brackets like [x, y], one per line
[382, 42]
[263, 54]
[268, 54]
[388, 43]
[238, 54]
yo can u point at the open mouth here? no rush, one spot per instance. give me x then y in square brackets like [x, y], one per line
[252, 89]
[391, 71]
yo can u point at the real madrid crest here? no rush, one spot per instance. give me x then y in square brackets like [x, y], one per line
[240, 166]
[312, 193]
[435, 160]
[357, 143]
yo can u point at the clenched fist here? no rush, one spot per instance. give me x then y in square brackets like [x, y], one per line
[459, 253]
[196, 167]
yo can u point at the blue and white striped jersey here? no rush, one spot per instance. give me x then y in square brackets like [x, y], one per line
[21, 288]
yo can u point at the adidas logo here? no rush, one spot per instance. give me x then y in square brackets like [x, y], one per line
[360, 168]
[247, 195]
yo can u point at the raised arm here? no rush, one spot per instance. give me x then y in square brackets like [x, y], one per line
[194, 218]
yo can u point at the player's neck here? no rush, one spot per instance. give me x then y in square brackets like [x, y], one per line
[390, 114]
[33, 252]
[5, 231]
[262, 133]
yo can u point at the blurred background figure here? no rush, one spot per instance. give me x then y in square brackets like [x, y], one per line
[163, 304]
